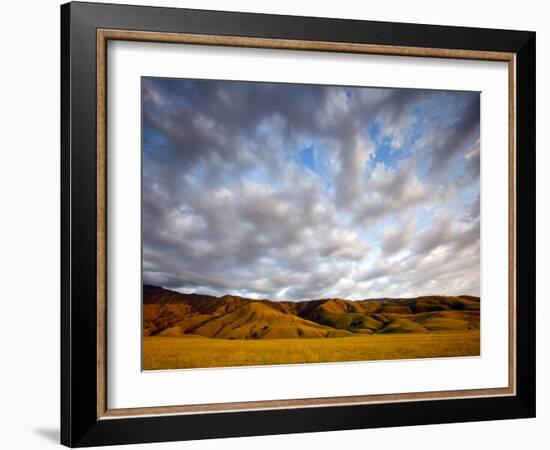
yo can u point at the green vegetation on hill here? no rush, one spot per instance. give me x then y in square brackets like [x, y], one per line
[168, 313]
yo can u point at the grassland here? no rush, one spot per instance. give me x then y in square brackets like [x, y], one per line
[192, 351]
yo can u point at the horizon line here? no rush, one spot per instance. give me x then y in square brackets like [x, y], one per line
[310, 299]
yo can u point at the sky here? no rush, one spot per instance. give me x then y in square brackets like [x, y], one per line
[292, 192]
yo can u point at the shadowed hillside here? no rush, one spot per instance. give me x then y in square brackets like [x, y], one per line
[169, 313]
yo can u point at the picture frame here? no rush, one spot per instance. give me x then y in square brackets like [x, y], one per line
[86, 29]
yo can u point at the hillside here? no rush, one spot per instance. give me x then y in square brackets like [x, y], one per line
[169, 313]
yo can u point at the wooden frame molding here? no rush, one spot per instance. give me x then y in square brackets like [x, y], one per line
[103, 36]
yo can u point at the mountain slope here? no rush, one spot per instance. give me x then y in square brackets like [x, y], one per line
[169, 313]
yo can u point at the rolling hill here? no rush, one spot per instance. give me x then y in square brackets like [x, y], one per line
[169, 313]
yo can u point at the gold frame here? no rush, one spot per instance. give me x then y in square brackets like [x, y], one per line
[104, 35]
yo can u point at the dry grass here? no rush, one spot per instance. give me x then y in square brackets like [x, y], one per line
[190, 351]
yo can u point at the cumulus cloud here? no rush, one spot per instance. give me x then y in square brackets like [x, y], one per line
[290, 191]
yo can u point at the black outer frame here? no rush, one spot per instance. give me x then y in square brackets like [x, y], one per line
[79, 423]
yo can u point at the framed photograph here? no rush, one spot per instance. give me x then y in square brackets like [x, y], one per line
[276, 224]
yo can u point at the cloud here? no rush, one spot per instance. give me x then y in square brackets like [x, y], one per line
[398, 236]
[350, 180]
[451, 137]
[230, 204]
[443, 256]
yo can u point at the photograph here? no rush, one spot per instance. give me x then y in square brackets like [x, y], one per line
[281, 223]
[297, 223]
[284, 223]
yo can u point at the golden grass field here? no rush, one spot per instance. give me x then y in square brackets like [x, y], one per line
[192, 351]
